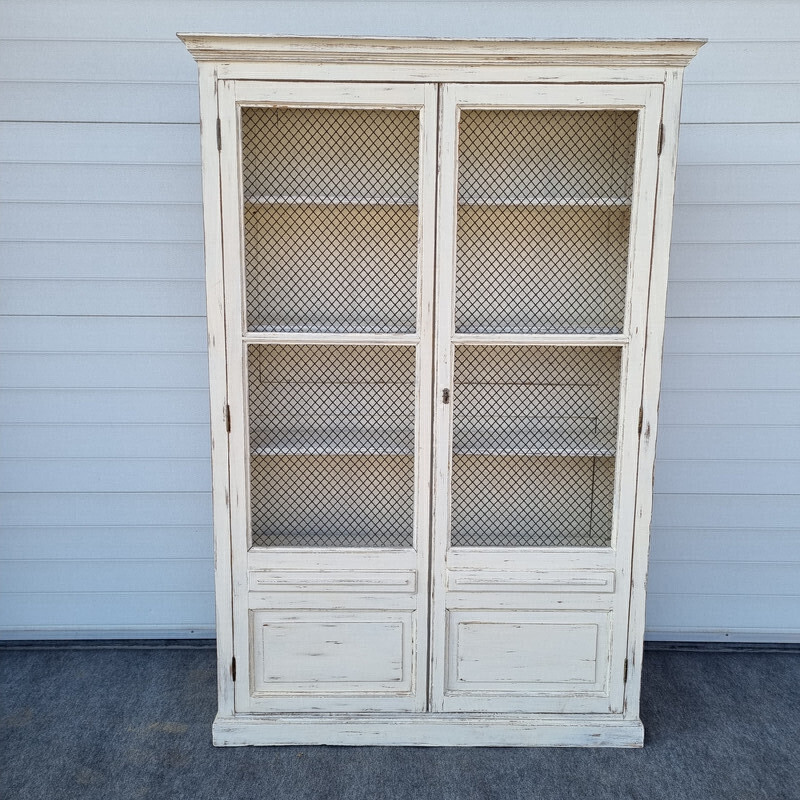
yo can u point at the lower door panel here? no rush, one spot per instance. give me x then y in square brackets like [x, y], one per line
[532, 660]
[333, 652]
[328, 654]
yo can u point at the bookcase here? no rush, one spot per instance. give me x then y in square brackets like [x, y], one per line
[436, 279]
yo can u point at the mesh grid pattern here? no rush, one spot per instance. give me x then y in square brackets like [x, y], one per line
[331, 445]
[330, 219]
[534, 442]
[543, 220]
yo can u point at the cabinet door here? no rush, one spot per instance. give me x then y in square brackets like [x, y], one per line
[546, 202]
[328, 211]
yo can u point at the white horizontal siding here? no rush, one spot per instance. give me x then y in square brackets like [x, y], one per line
[727, 511]
[745, 20]
[136, 614]
[108, 542]
[732, 371]
[99, 183]
[131, 440]
[90, 143]
[103, 260]
[718, 476]
[104, 222]
[103, 370]
[729, 407]
[104, 446]
[734, 184]
[106, 509]
[48, 576]
[117, 334]
[688, 335]
[729, 263]
[115, 474]
[742, 544]
[119, 406]
[154, 297]
[760, 442]
[716, 143]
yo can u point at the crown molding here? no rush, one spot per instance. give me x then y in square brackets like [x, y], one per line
[231, 48]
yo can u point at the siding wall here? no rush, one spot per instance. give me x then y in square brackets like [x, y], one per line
[104, 492]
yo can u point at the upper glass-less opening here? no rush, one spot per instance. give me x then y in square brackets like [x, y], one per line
[543, 221]
[330, 219]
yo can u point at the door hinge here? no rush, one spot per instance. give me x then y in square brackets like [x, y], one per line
[624, 672]
[641, 419]
[228, 418]
[233, 668]
[660, 138]
[445, 395]
[219, 135]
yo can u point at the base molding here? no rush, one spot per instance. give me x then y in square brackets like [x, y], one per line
[429, 730]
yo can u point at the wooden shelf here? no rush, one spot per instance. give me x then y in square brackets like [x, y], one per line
[319, 330]
[468, 202]
[331, 450]
[344, 442]
[566, 452]
[310, 200]
[544, 330]
[547, 202]
[361, 443]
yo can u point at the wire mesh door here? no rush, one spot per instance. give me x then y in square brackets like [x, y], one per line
[543, 240]
[331, 252]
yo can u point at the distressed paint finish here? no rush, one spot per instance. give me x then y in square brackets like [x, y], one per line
[532, 630]
[431, 730]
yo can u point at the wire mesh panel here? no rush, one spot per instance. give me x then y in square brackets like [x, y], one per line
[543, 222]
[534, 443]
[330, 219]
[331, 445]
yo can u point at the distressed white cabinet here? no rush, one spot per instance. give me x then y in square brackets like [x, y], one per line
[436, 281]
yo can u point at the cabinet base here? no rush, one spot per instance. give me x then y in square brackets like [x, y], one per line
[429, 730]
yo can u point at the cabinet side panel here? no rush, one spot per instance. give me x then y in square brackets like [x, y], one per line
[652, 384]
[215, 310]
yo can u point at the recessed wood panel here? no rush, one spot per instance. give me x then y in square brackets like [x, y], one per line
[487, 580]
[290, 580]
[527, 652]
[325, 652]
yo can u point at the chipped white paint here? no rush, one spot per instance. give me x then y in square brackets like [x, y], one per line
[432, 730]
[345, 639]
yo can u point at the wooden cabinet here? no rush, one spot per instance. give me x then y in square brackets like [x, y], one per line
[436, 279]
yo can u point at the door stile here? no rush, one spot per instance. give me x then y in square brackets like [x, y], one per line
[646, 100]
[447, 198]
[217, 357]
[670, 120]
[233, 248]
[425, 354]
[632, 374]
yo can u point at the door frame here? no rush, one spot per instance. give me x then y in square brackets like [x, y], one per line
[386, 586]
[447, 563]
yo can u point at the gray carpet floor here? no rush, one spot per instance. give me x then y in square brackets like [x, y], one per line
[135, 723]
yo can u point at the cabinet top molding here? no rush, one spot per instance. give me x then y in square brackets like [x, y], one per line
[230, 48]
